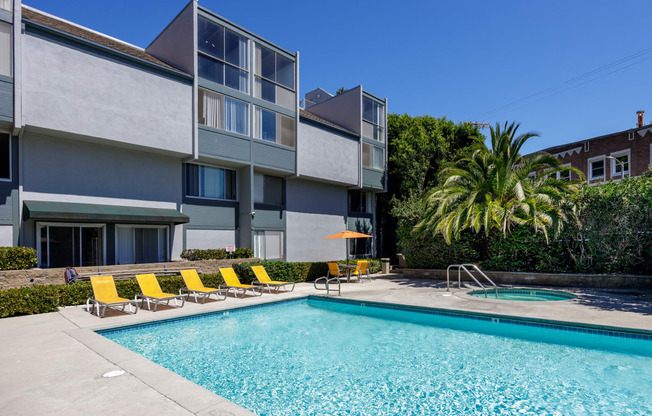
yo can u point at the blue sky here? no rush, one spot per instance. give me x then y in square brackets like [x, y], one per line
[462, 60]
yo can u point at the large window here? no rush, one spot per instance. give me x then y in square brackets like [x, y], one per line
[596, 168]
[141, 244]
[565, 175]
[208, 182]
[268, 245]
[222, 112]
[274, 80]
[222, 56]
[5, 157]
[361, 202]
[620, 163]
[6, 58]
[373, 116]
[274, 127]
[372, 156]
[268, 189]
[74, 245]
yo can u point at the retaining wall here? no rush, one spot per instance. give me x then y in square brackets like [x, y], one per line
[55, 276]
[606, 281]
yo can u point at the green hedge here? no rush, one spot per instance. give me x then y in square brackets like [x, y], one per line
[216, 254]
[17, 258]
[41, 299]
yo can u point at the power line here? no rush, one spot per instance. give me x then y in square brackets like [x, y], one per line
[570, 83]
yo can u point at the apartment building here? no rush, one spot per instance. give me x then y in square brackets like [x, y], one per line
[614, 156]
[118, 154]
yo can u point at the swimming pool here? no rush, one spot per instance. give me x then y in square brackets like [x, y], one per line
[531, 295]
[324, 357]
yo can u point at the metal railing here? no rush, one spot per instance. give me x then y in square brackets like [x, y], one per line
[328, 282]
[461, 267]
[130, 273]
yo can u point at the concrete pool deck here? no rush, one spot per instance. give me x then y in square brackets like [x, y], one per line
[54, 363]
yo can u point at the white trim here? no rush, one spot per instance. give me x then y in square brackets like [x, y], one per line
[614, 164]
[10, 179]
[590, 171]
[133, 237]
[39, 224]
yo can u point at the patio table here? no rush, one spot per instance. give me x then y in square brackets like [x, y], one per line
[348, 268]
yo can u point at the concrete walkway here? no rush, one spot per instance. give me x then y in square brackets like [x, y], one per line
[54, 363]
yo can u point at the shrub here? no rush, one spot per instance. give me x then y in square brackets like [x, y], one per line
[424, 251]
[17, 258]
[216, 254]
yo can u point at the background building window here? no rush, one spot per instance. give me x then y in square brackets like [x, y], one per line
[268, 189]
[621, 162]
[274, 127]
[274, 80]
[596, 169]
[64, 245]
[6, 58]
[373, 116]
[372, 156]
[223, 112]
[360, 202]
[222, 55]
[208, 182]
[565, 175]
[5, 157]
[269, 244]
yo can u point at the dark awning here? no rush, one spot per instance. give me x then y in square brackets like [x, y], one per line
[67, 211]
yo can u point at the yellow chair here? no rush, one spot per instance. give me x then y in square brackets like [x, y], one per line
[150, 292]
[362, 269]
[231, 281]
[263, 279]
[195, 287]
[334, 270]
[105, 296]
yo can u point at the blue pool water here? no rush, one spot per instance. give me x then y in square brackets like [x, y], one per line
[319, 357]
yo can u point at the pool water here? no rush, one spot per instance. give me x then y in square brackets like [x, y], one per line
[320, 357]
[523, 294]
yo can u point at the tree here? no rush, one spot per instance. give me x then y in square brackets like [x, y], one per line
[418, 148]
[497, 188]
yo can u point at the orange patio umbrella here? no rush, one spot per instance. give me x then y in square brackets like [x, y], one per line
[347, 235]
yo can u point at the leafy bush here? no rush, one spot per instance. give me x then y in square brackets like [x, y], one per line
[424, 251]
[17, 258]
[216, 254]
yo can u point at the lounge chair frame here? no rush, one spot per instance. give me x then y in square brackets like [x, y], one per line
[256, 290]
[220, 294]
[271, 286]
[101, 306]
[157, 300]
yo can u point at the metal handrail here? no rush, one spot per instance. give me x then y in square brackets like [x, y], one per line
[461, 267]
[328, 281]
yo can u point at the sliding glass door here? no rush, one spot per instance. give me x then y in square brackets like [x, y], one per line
[76, 245]
[141, 244]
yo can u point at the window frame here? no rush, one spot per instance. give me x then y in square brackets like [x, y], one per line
[10, 27]
[205, 198]
[590, 168]
[223, 60]
[615, 165]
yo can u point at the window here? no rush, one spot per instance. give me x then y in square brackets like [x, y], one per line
[620, 163]
[274, 127]
[6, 57]
[372, 156]
[360, 201]
[5, 157]
[222, 56]
[141, 244]
[268, 189]
[274, 80]
[223, 112]
[565, 175]
[7, 5]
[269, 244]
[207, 182]
[373, 116]
[360, 247]
[75, 245]
[596, 168]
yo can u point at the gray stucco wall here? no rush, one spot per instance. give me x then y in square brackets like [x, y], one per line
[71, 171]
[175, 45]
[70, 90]
[314, 210]
[328, 155]
[204, 239]
[345, 109]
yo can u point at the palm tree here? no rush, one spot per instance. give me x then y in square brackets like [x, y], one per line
[497, 188]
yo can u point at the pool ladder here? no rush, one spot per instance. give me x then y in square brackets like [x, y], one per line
[475, 268]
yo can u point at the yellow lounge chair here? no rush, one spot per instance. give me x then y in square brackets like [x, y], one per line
[105, 296]
[150, 291]
[231, 281]
[362, 269]
[263, 279]
[195, 287]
